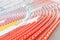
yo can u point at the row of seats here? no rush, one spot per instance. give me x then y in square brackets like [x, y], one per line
[38, 30]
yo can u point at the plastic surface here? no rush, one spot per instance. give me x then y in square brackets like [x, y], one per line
[29, 20]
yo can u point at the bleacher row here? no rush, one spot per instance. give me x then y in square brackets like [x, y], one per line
[41, 29]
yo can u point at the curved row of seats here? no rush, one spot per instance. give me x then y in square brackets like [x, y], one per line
[39, 30]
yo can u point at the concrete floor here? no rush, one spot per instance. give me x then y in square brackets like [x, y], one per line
[56, 34]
